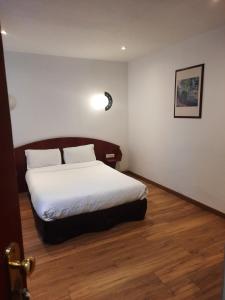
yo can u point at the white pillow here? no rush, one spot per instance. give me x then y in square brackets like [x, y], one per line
[43, 158]
[79, 154]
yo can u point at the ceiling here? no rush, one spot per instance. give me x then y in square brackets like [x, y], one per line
[96, 29]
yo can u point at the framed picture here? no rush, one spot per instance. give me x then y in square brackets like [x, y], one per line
[188, 92]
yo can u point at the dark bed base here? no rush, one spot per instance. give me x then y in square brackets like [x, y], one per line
[57, 231]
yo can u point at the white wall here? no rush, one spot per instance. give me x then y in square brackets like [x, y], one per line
[53, 98]
[187, 155]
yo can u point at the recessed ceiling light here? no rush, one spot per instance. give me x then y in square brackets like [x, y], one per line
[123, 48]
[3, 32]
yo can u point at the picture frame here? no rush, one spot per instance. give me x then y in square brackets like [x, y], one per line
[189, 92]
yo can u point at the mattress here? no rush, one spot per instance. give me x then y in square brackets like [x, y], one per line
[67, 190]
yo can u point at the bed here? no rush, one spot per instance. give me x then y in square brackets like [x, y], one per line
[71, 199]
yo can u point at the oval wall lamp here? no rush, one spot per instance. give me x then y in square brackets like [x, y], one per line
[102, 101]
[109, 105]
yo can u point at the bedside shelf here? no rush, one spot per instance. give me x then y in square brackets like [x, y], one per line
[111, 159]
[111, 162]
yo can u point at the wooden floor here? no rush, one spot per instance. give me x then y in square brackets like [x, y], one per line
[177, 252]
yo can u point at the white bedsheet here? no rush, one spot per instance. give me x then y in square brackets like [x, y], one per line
[71, 189]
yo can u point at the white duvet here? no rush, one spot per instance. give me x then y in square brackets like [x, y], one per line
[72, 189]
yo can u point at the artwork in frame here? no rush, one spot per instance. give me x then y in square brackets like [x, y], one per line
[188, 92]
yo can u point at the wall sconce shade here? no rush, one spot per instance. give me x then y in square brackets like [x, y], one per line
[109, 105]
[102, 101]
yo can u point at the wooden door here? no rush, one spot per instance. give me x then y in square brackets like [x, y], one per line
[10, 224]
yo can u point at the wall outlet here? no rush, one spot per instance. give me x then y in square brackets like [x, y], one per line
[110, 155]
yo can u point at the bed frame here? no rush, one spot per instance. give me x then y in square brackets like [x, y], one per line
[57, 231]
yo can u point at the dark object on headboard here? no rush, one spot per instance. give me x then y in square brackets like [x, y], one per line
[101, 149]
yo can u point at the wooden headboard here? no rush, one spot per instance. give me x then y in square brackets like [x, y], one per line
[101, 149]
